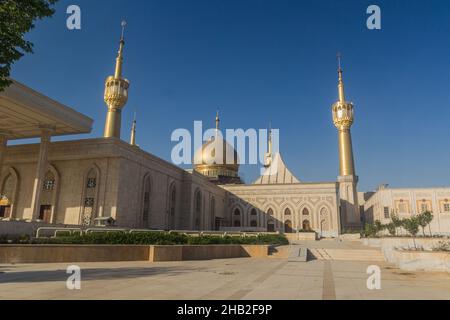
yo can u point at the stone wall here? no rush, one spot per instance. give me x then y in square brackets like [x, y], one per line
[107, 253]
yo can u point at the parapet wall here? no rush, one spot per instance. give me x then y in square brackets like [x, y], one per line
[107, 253]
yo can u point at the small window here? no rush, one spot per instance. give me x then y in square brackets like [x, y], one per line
[270, 212]
[89, 202]
[447, 207]
[237, 224]
[423, 208]
[254, 213]
[91, 183]
[305, 212]
[49, 185]
[254, 224]
[386, 213]
[287, 212]
[237, 212]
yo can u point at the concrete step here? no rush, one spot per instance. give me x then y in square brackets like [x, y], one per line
[348, 255]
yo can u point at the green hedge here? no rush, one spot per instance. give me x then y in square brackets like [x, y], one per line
[120, 238]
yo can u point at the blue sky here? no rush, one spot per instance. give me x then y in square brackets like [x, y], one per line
[261, 61]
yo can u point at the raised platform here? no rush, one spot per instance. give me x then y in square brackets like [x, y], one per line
[15, 254]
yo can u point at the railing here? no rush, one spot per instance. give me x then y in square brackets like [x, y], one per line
[191, 233]
[58, 230]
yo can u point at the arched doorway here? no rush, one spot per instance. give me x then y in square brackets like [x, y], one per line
[288, 226]
[237, 218]
[172, 207]
[306, 226]
[198, 210]
[270, 226]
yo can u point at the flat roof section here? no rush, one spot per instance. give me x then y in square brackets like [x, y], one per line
[24, 112]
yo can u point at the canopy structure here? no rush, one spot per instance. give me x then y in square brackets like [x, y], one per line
[277, 173]
[25, 112]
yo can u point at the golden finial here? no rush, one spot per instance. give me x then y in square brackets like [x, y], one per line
[119, 60]
[341, 79]
[123, 24]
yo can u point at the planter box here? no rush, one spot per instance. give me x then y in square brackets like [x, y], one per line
[301, 236]
[422, 261]
[110, 253]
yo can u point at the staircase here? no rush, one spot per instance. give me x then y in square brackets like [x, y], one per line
[347, 255]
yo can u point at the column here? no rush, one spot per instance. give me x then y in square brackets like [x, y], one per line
[3, 143]
[42, 166]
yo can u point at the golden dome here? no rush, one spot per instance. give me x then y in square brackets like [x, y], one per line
[212, 164]
[223, 167]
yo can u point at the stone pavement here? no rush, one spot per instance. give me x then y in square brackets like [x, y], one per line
[224, 279]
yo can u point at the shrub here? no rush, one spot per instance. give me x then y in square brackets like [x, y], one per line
[145, 238]
[117, 238]
[262, 239]
[392, 229]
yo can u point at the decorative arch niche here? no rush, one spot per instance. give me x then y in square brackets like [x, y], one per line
[49, 196]
[325, 219]
[213, 213]
[172, 206]
[147, 187]
[90, 196]
[9, 187]
[198, 209]
[237, 216]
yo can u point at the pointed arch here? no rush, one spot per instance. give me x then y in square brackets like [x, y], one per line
[287, 212]
[198, 209]
[306, 213]
[9, 187]
[212, 213]
[50, 195]
[324, 217]
[89, 199]
[146, 200]
[237, 216]
[173, 205]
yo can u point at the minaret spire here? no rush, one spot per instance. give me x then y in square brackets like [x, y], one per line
[270, 139]
[116, 94]
[217, 122]
[341, 80]
[133, 131]
[269, 155]
[119, 59]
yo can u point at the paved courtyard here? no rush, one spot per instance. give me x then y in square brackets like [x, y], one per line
[272, 278]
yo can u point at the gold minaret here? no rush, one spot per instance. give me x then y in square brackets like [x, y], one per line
[343, 118]
[116, 94]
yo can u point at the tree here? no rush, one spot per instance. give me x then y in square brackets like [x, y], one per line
[412, 226]
[392, 229]
[397, 222]
[17, 17]
[428, 218]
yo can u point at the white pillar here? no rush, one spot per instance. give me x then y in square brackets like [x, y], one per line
[42, 166]
[3, 143]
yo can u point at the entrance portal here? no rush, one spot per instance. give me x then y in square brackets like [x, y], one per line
[288, 226]
[5, 211]
[270, 226]
[45, 214]
[306, 225]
